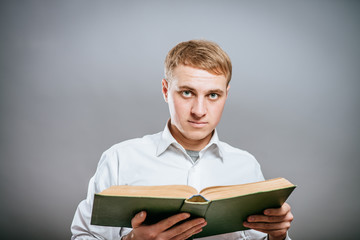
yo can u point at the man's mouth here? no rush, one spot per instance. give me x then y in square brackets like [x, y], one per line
[197, 124]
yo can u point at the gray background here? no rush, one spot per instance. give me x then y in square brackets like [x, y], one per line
[80, 76]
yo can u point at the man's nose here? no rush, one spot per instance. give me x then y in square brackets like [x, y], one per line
[199, 107]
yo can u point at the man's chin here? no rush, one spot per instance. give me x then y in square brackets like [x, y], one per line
[197, 136]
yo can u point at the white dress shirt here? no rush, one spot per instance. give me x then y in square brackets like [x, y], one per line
[159, 160]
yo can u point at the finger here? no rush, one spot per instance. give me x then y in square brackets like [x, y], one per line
[186, 229]
[266, 227]
[138, 219]
[171, 221]
[263, 218]
[187, 234]
[283, 210]
[271, 219]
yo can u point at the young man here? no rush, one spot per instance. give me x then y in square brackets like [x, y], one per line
[188, 151]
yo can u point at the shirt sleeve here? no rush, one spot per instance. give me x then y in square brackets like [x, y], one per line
[256, 235]
[106, 175]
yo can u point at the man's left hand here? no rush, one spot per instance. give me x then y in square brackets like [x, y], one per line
[275, 222]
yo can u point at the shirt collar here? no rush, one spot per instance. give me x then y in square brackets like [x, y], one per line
[166, 139]
[215, 142]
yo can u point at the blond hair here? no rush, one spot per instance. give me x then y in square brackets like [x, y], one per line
[201, 54]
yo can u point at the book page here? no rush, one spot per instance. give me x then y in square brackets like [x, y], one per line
[166, 191]
[220, 192]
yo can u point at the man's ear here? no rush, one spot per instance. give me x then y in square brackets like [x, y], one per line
[165, 89]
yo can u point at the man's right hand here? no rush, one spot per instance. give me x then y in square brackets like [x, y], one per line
[165, 229]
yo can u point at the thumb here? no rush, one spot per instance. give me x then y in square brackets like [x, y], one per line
[138, 219]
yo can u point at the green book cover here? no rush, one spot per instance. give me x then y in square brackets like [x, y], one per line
[223, 214]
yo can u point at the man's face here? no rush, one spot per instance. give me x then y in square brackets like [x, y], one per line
[196, 101]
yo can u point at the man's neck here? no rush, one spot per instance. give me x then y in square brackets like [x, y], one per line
[186, 143]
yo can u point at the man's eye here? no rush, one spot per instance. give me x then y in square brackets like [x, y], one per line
[213, 96]
[186, 93]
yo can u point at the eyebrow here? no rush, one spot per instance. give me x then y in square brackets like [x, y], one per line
[218, 91]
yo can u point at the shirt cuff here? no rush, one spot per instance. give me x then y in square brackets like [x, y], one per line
[124, 231]
[287, 237]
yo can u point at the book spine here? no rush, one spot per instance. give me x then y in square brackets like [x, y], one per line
[195, 209]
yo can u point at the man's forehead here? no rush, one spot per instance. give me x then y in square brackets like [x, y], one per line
[190, 76]
[187, 69]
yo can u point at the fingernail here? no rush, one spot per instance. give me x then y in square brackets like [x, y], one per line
[141, 214]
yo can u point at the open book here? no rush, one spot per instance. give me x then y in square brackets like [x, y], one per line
[224, 207]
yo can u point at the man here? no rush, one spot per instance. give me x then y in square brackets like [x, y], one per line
[188, 151]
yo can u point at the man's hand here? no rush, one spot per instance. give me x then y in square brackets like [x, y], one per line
[274, 222]
[165, 229]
